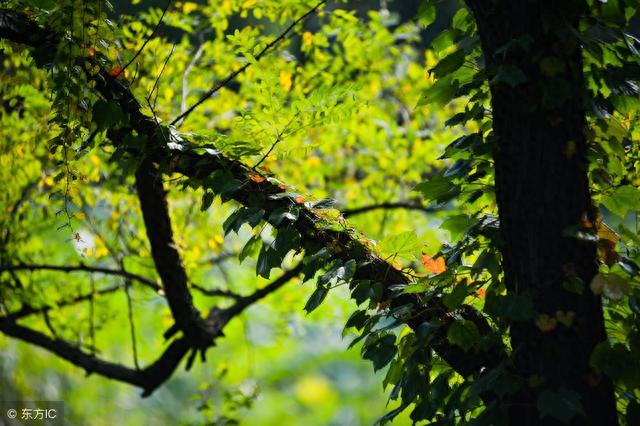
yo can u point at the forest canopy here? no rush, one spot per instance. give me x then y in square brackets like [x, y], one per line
[321, 212]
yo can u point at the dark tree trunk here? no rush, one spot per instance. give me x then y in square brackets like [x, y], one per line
[542, 190]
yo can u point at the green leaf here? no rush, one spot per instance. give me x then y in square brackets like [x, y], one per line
[367, 290]
[561, 404]
[426, 13]
[463, 333]
[417, 288]
[617, 362]
[622, 200]
[380, 349]
[288, 239]
[390, 415]
[454, 299]
[440, 93]
[107, 114]
[267, 259]
[449, 63]
[438, 188]
[283, 213]
[249, 215]
[402, 244]
[357, 320]
[207, 200]
[498, 381]
[250, 248]
[223, 183]
[339, 271]
[316, 299]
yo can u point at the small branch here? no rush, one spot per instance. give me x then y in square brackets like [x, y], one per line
[185, 77]
[92, 315]
[215, 260]
[148, 378]
[234, 74]
[29, 310]
[82, 268]
[408, 205]
[132, 325]
[279, 136]
[157, 82]
[216, 292]
[164, 11]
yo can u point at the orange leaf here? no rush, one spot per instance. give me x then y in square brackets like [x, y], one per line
[585, 223]
[91, 52]
[605, 232]
[117, 72]
[384, 304]
[299, 200]
[481, 293]
[607, 243]
[256, 178]
[435, 266]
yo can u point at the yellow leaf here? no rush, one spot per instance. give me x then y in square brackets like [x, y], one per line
[307, 38]
[189, 7]
[169, 93]
[285, 80]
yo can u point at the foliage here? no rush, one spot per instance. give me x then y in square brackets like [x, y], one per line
[349, 109]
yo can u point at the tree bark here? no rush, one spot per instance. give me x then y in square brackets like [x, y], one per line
[542, 190]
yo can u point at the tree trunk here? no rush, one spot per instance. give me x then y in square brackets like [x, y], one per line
[542, 189]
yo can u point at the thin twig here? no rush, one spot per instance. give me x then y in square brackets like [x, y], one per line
[222, 83]
[81, 267]
[92, 312]
[27, 310]
[132, 326]
[155, 84]
[216, 292]
[185, 76]
[164, 11]
[279, 137]
[388, 206]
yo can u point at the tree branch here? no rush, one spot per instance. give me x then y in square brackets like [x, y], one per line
[82, 268]
[408, 205]
[216, 292]
[148, 378]
[29, 309]
[152, 376]
[200, 165]
[157, 221]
